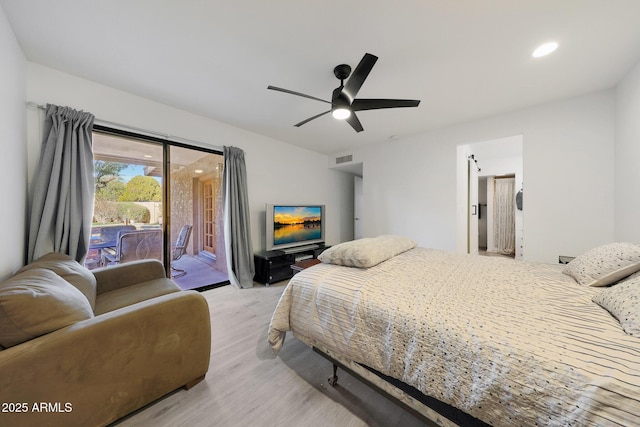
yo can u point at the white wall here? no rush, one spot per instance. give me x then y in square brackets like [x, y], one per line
[13, 159]
[568, 166]
[277, 172]
[627, 176]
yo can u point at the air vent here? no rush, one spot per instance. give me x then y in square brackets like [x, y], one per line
[344, 159]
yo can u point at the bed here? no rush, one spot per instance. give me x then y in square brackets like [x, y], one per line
[503, 342]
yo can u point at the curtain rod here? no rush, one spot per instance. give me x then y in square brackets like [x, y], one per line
[134, 129]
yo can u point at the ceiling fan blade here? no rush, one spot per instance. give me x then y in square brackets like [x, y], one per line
[374, 104]
[311, 118]
[354, 122]
[296, 93]
[359, 75]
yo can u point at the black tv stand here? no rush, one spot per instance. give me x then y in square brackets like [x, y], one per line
[275, 266]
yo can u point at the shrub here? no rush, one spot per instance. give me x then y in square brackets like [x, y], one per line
[119, 212]
[133, 212]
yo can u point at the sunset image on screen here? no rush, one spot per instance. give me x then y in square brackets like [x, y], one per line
[296, 223]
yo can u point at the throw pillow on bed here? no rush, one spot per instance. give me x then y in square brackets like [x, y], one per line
[367, 252]
[623, 302]
[604, 265]
[36, 302]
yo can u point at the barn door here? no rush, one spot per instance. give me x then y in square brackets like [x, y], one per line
[472, 207]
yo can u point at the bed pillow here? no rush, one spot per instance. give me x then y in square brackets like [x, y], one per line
[604, 265]
[367, 252]
[623, 302]
[36, 302]
[70, 270]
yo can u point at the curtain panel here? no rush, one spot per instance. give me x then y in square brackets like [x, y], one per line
[504, 229]
[237, 224]
[63, 186]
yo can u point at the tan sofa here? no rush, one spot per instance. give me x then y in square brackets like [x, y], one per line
[86, 348]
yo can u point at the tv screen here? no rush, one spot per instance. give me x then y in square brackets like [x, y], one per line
[289, 226]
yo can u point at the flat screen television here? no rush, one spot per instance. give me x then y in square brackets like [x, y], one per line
[293, 226]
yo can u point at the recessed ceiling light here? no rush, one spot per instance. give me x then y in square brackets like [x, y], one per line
[148, 156]
[198, 171]
[544, 49]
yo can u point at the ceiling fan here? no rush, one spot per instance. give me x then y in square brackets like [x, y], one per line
[344, 103]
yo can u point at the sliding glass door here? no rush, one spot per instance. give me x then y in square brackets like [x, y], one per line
[196, 204]
[160, 200]
[128, 207]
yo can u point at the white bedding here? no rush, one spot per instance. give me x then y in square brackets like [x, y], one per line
[508, 342]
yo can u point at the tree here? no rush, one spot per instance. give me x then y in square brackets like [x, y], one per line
[142, 189]
[105, 172]
[112, 191]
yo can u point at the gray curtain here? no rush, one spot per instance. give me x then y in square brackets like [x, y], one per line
[237, 226]
[63, 186]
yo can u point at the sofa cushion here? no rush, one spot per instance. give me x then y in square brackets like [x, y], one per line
[70, 270]
[129, 295]
[36, 302]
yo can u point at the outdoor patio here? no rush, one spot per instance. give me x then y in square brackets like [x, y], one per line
[200, 273]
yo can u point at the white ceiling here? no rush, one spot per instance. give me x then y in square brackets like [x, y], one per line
[464, 59]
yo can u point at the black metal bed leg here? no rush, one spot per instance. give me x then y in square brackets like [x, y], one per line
[333, 380]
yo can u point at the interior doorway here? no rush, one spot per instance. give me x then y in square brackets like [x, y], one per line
[496, 222]
[357, 207]
[478, 213]
[482, 214]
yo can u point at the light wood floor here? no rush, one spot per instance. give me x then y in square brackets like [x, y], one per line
[248, 386]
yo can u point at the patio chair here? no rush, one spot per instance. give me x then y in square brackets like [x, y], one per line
[134, 245]
[107, 235]
[180, 249]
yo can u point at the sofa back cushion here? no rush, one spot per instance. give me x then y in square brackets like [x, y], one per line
[36, 302]
[70, 270]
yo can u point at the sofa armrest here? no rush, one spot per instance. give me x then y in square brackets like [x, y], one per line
[101, 369]
[127, 274]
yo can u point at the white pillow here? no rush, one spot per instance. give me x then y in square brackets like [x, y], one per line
[623, 302]
[604, 265]
[367, 252]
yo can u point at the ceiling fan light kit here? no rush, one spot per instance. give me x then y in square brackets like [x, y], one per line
[341, 113]
[344, 103]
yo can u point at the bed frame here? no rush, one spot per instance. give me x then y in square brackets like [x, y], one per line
[411, 399]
